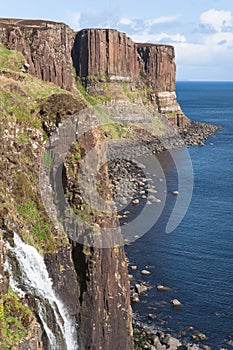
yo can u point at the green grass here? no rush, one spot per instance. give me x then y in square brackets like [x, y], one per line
[22, 97]
[15, 321]
[78, 153]
[91, 100]
[37, 224]
[48, 162]
[10, 59]
[113, 129]
[128, 93]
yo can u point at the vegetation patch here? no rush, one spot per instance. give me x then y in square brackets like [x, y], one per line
[15, 321]
[38, 224]
[10, 59]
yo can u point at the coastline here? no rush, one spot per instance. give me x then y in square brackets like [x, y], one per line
[134, 187]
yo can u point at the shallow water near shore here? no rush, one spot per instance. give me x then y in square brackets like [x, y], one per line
[195, 260]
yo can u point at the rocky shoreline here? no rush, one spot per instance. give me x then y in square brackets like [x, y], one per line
[149, 336]
[194, 134]
[131, 186]
[131, 183]
[146, 338]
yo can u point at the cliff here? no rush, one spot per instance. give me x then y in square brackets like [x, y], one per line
[107, 52]
[45, 45]
[110, 64]
[157, 66]
[91, 283]
[103, 52]
[38, 93]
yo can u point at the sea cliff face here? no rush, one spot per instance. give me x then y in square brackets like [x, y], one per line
[99, 56]
[109, 63]
[91, 282]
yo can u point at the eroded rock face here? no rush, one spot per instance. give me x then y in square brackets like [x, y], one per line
[106, 52]
[45, 45]
[99, 56]
[106, 56]
[48, 46]
[61, 270]
[34, 340]
[101, 52]
[100, 297]
[157, 65]
[4, 278]
[105, 315]
[104, 297]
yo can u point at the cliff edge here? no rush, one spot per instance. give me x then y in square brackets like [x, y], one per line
[48, 74]
[107, 61]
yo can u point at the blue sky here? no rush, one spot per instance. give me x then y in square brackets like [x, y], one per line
[200, 30]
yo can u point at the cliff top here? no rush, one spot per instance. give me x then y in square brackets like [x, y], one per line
[26, 22]
[153, 45]
[44, 23]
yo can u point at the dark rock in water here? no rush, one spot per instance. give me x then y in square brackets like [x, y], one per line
[151, 316]
[198, 336]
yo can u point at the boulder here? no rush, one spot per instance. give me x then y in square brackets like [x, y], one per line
[171, 342]
[176, 302]
[160, 287]
[140, 288]
[145, 272]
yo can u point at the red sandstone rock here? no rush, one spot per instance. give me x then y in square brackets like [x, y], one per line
[104, 52]
[107, 52]
[158, 66]
[45, 45]
[51, 49]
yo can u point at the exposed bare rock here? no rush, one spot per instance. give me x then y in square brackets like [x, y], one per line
[158, 66]
[104, 296]
[100, 52]
[99, 56]
[103, 56]
[45, 45]
[4, 278]
[33, 341]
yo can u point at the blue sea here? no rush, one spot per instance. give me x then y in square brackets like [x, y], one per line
[196, 259]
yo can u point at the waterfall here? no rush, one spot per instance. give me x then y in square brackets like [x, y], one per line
[33, 279]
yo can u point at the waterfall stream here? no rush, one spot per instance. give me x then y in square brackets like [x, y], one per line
[33, 279]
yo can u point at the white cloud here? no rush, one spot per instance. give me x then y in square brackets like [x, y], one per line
[159, 20]
[133, 24]
[146, 37]
[219, 38]
[75, 20]
[125, 21]
[192, 54]
[217, 19]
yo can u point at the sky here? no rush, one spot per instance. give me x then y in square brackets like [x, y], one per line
[200, 30]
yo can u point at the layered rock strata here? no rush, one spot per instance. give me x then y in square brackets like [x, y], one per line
[92, 282]
[103, 56]
[100, 57]
[45, 45]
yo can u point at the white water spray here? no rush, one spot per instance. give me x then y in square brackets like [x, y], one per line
[35, 280]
